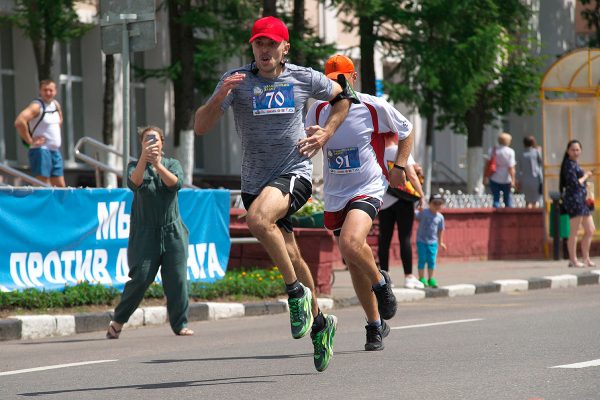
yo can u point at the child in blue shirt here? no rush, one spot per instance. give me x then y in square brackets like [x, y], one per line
[429, 234]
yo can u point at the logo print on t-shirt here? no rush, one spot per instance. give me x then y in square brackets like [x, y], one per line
[275, 98]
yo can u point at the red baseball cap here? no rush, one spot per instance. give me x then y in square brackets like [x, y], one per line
[338, 64]
[270, 27]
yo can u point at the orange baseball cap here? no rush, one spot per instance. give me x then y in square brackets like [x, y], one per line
[338, 64]
[270, 27]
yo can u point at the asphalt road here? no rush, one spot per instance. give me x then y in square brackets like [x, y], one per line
[496, 346]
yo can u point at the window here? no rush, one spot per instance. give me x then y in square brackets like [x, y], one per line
[8, 134]
[71, 95]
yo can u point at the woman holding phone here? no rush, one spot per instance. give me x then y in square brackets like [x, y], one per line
[572, 183]
[157, 236]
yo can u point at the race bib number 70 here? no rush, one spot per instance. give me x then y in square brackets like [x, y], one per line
[273, 99]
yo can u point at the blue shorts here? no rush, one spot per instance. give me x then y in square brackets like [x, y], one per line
[46, 163]
[427, 253]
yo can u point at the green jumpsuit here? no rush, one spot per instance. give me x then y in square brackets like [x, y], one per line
[157, 237]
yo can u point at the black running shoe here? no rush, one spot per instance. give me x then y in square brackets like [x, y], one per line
[386, 300]
[375, 335]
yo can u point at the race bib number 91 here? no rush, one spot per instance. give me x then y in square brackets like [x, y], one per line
[273, 99]
[343, 161]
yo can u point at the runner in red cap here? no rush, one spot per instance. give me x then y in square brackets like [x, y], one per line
[268, 97]
[355, 178]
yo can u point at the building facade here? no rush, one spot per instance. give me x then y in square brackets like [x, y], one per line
[79, 73]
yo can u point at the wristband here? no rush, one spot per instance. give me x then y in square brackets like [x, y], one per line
[400, 167]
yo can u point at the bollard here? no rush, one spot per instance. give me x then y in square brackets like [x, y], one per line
[555, 196]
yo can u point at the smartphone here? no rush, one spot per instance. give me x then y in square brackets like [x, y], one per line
[151, 138]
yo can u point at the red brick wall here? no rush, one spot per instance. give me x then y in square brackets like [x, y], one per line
[471, 234]
[485, 234]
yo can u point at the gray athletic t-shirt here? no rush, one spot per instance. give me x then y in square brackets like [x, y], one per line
[268, 117]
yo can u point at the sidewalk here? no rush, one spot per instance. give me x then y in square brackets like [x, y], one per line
[454, 279]
[473, 272]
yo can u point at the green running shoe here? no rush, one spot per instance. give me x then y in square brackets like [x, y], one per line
[301, 317]
[433, 283]
[323, 343]
[424, 282]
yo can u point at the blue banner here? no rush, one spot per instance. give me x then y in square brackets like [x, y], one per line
[52, 238]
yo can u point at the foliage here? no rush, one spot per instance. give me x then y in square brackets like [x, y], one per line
[255, 283]
[592, 17]
[72, 296]
[44, 22]
[447, 51]
[467, 58]
[308, 45]
[312, 206]
[241, 284]
[221, 31]
[378, 23]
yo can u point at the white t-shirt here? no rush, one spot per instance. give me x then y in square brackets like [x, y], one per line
[505, 158]
[353, 159]
[390, 156]
[49, 127]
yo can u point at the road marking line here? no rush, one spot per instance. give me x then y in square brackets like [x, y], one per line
[585, 364]
[57, 366]
[458, 321]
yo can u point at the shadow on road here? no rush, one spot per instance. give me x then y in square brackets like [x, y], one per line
[174, 385]
[267, 357]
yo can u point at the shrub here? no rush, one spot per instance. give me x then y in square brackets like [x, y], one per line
[256, 283]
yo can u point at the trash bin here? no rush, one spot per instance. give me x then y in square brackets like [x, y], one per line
[564, 224]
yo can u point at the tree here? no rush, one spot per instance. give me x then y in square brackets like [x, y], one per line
[592, 17]
[511, 86]
[307, 48]
[108, 107]
[377, 23]
[203, 35]
[46, 22]
[447, 51]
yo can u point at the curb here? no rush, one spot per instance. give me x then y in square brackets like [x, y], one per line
[42, 326]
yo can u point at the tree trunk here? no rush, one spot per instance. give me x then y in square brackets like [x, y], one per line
[269, 8]
[428, 167]
[475, 122]
[367, 54]
[108, 102]
[182, 52]
[46, 67]
[298, 29]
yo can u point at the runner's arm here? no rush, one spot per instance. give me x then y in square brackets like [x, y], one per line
[22, 121]
[317, 136]
[208, 115]
[397, 176]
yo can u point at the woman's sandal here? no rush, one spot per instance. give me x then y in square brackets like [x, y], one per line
[590, 264]
[113, 333]
[185, 332]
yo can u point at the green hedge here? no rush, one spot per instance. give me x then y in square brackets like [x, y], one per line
[256, 283]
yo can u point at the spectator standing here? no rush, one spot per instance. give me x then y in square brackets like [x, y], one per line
[430, 234]
[572, 184]
[530, 173]
[39, 127]
[503, 179]
[267, 97]
[398, 210]
[157, 236]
